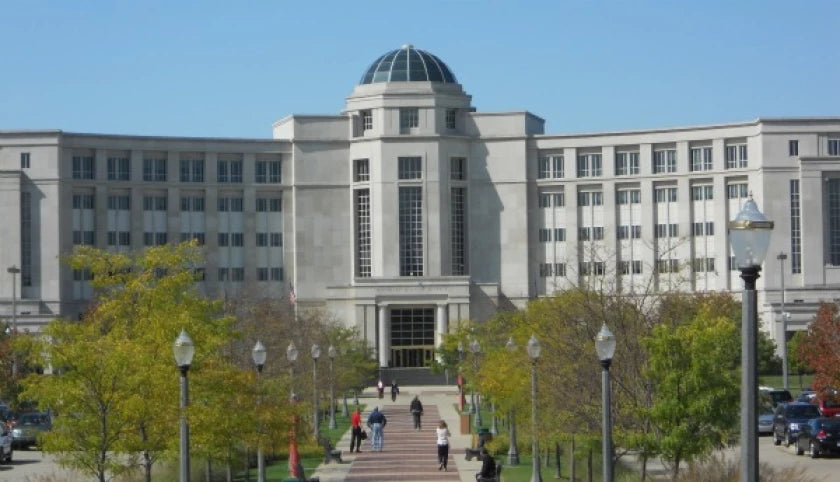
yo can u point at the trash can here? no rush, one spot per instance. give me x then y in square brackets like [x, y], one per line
[465, 424]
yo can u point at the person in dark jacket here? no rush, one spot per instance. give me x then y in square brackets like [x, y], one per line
[395, 390]
[416, 409]
[488, 466]
[376, 421]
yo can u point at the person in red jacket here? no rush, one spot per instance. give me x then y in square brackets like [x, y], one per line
[356, 430]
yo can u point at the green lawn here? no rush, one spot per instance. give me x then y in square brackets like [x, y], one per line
[796, 383]
[310, 458]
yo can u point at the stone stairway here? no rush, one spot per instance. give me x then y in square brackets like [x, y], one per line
[407, 455]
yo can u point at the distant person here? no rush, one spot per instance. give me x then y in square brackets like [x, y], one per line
[356, 430]
[416, 409]
[380, 387]
[377, 421]
[488, 466]
[395, 390]
[443, 444]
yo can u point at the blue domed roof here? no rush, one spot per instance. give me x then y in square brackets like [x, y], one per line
[408, 64]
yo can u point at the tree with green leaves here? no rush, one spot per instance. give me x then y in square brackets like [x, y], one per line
[115, 387]
[692, 368]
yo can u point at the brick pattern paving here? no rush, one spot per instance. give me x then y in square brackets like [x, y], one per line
[406, 454]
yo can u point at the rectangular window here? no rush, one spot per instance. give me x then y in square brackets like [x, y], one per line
[737, 191]
[834, 147]
[631, 196]
[119, 169]
[701, 192]
[664, 160]
[411, 231]
[262, 240]
[275, 205]
[24, 160]
[367, 120]
[701, 159]
[409, 117]
[451, 116]
[276, 274]
[361, 170]
[550, 167]
[584, 234]
[795, 228]
[224, 274]
[267, 172]
[154, 203]
[590, 198]
[458, 169]
[119, 203]
[623, 232]
[262, 274]
[736, 156]
[154, 170]
[410, 168]
[276, 239]
[598, 268]
[459, 231]
[665, 194]
[793, 148]
[26, 236]
[237, 240]
[559, 234]
[545, 270]
[545, 235]
[224, 239]
[83, 167]
[363, 250]
[229, 171]
[626, 163]
[834, 221]
[598, 232]
[589, 165]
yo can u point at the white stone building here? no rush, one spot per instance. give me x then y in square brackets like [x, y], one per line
[410, 211]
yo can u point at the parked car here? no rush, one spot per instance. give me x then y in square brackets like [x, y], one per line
[5, 443]
[28, 426]
[765, 419]
[789, 417]
[779, 396]
[819, 436]
[806, 396]
[829, 406]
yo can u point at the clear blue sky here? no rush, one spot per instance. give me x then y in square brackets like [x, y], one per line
[230, 69]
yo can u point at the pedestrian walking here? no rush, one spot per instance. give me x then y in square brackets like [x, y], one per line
[356, 430]
[395, 390]
[416, 409]
[380, 387]
[377, 421]
[443, 445]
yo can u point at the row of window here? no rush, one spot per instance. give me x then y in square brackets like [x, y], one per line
[410, 168]
[191, 170]
[546, 235]
[697, 265]
[634, 196]
[123, 238]
[188, 203]
[627, 162]
[409, 118]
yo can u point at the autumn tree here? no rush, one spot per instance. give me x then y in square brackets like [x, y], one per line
[820, 348]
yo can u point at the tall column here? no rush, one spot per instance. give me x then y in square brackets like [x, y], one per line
[441, 325]
[384, 336]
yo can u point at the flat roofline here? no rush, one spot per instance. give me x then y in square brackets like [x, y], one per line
[173, 138]
[515, 112]
[308, 116]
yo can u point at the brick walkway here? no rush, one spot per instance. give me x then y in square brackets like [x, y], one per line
[406, 454]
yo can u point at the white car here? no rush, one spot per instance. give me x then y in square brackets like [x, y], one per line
[5, 443]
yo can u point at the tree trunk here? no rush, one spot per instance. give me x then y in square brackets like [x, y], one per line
[147, 465]
[676, 470]
[557, 472]
[589, 466]
[572, 460]
[228, 470]
[547, 456]
[208, 473]
[644, 467]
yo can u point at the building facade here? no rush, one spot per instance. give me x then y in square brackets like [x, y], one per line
[410, 211]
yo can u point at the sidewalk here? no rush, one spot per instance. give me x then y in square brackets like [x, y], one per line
[407, 455]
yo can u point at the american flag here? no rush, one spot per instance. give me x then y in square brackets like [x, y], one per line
[292, 295]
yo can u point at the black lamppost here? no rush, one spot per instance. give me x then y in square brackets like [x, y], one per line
[332, 353]
[14, 271]
[184, 350]
[605, 347]
[749, 235]
[534, 350]
[258, 354]
[316, 353]
[475, 348]
[461, 399]
[295, 469]
[784, 319]
[513, 452]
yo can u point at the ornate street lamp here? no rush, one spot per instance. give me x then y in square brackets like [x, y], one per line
[513, 452]
[332, 353]
[534, 350]
[749, 235]
[295, 468]
[258, 354]
[316, 353]
[785, 316]
[605, 347]
[475, 348]
[14, 271]
[184, 350]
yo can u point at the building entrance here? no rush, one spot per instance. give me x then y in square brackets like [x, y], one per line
[412, 337]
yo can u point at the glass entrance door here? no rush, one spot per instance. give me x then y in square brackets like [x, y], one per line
[412, 337]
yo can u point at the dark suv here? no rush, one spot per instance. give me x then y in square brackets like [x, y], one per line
[787, 419]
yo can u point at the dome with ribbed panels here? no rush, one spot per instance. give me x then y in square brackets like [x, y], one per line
[408, 64]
